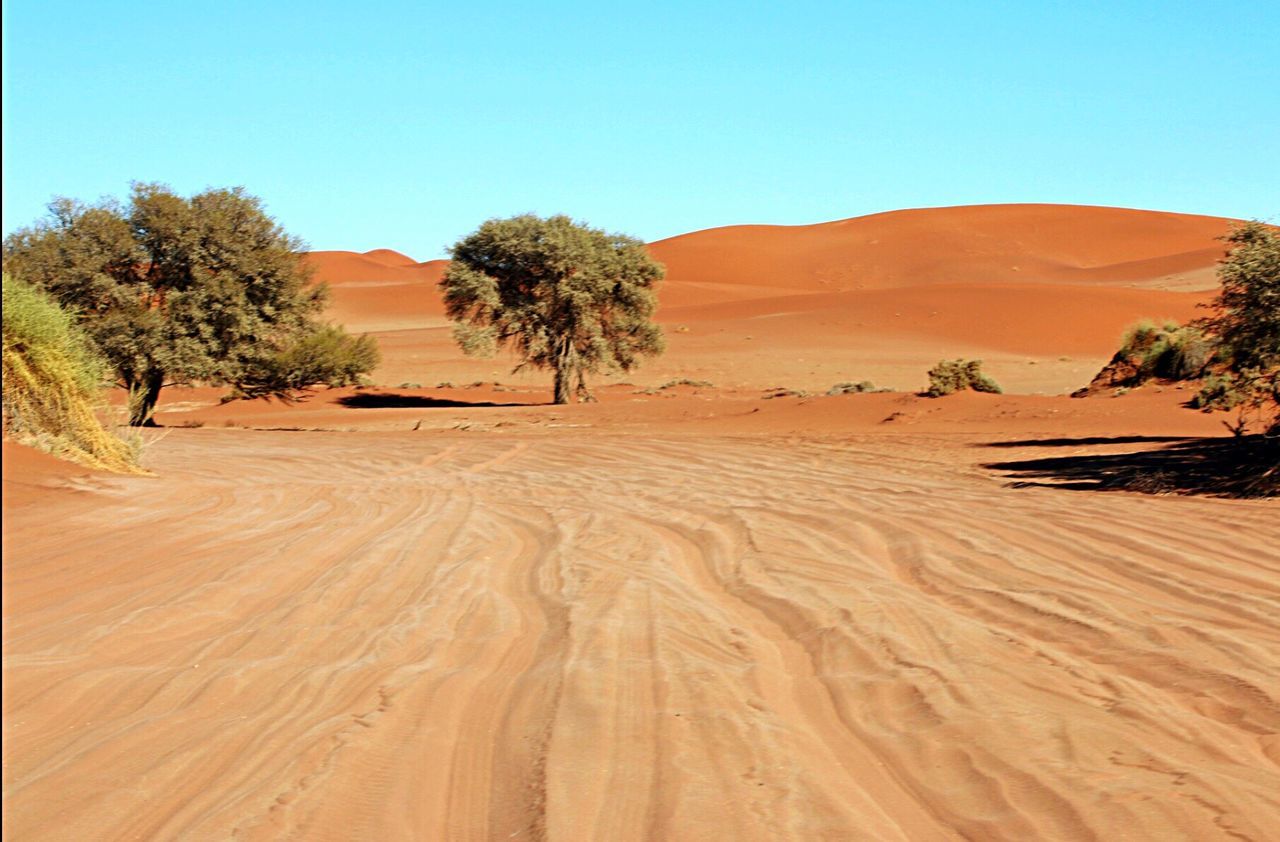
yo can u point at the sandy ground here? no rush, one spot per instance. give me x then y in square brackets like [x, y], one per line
[697, 612]
[604, 635]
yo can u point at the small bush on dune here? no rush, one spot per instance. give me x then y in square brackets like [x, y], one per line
[951, 376]
[1168, 351]
[854, 388]
[51, 384]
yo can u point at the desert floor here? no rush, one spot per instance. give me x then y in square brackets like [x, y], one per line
[718, 611]
[557, 627]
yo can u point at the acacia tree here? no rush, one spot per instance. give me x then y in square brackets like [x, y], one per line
[1246, 326]
[175, 290]
[561, 295]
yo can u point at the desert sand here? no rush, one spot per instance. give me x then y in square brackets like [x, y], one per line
[880, 297]
[691, 613]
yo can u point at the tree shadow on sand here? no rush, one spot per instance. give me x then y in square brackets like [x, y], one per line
[1248, 466]
[391, 400]
[1079, 442]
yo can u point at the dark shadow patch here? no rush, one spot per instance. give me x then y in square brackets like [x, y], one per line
[1085, 441]
[390, 400]
[1248, 466]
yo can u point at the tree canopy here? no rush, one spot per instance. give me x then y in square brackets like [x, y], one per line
[1246, 325]
[561, 295]
[1247, 321]
[173, 289]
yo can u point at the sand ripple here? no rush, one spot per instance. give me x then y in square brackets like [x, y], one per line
[329, 636]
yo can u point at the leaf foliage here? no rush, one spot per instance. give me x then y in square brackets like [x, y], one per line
[173, 289]
[560, 295]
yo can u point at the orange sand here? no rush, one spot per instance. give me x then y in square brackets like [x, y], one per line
[680, 614]
[881, 297]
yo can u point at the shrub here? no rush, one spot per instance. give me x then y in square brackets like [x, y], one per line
[323, 356]
[950, 376]
[52, 378]
[1169, 351]
[854, 388]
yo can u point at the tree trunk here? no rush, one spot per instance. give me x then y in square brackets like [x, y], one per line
[564, 370]
[584, 394]
[564, 374]
[143, 397]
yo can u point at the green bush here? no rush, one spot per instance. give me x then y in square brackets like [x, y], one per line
[324, 356]
[52, 379]
[950, 376]
[1168, 351]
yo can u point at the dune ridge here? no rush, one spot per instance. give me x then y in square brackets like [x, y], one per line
[978, 243]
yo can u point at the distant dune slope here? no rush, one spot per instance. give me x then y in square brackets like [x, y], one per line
[379, 290]
[754, 302]
[976, 244]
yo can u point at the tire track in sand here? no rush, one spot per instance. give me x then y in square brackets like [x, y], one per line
[413, 637]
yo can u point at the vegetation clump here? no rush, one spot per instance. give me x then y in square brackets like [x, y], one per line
[561, 295]
[176, 290]
[52, 378]
[951, 376]
[322, 355]
[1154, 351]
[685, 381]
[854, 388]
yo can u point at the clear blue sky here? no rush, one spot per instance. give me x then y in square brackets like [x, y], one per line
[404, 125]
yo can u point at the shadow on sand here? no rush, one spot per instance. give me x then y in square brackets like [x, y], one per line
[1241, 467]
[1084, 441]
[391, 400]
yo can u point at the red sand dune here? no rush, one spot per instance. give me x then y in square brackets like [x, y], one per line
[973, 244]
[882, 296]
[389, 257]
[379, 290]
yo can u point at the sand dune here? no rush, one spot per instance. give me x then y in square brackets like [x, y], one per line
[411, 636]
[380, 290]
[974, 244]
[389, 257]
[882, 296]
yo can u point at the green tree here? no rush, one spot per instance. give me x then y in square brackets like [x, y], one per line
[1246, 326]
[561, 295]
[172, 289]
